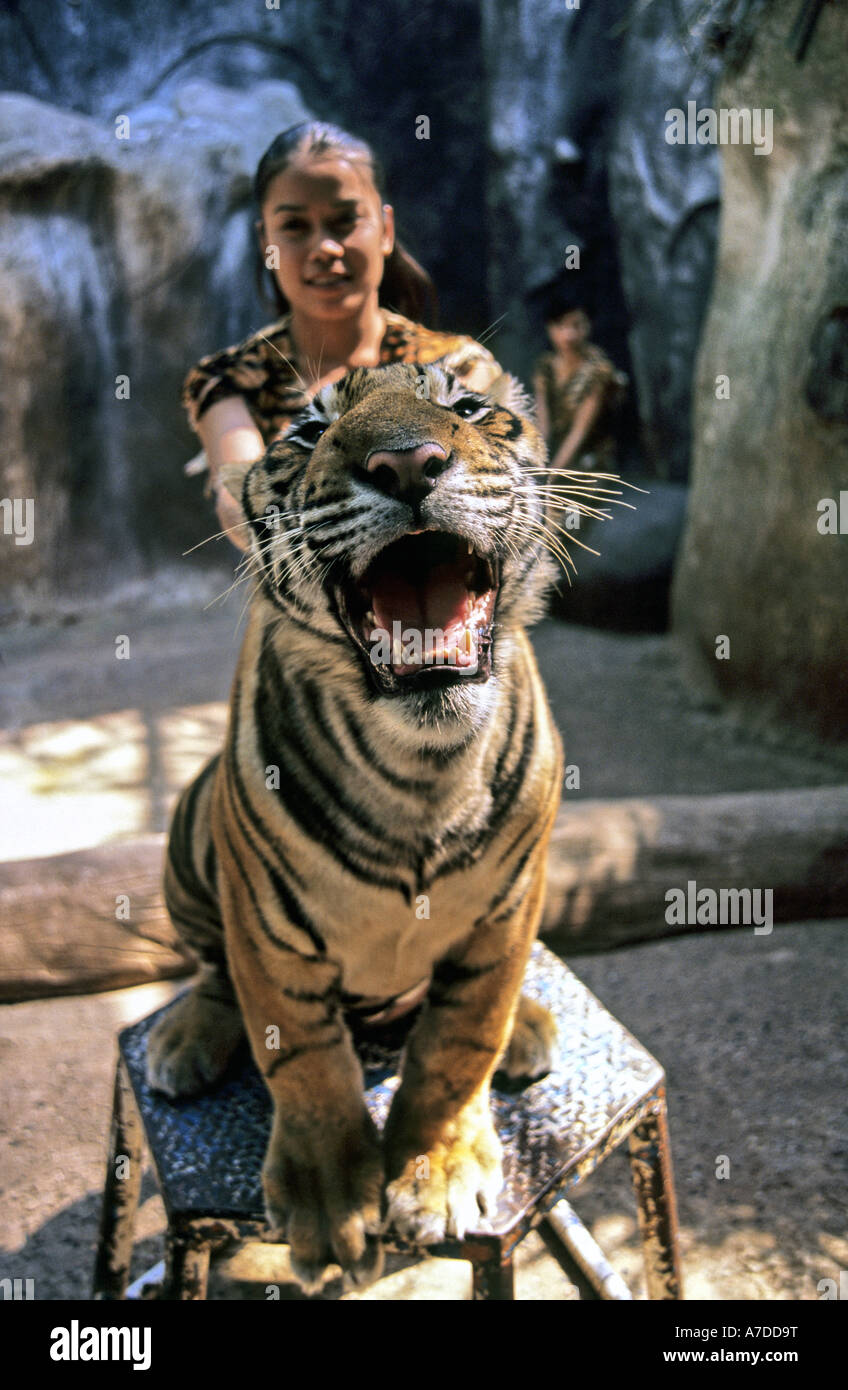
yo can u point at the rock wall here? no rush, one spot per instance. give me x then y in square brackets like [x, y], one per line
[577, 100]
[664, 201]
[122, 261]
[764, 561]
[372, 68]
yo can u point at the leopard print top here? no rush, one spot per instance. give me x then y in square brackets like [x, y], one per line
[563, 398]
[263, 369]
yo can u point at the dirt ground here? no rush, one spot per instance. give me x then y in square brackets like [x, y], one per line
[751, 1029]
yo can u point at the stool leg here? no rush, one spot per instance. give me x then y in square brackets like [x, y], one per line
[186, 1265]
[650, 1162]
[120, 1193]
[492, 1279]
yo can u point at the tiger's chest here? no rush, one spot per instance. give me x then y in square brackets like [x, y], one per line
[387, 913]
[386, 946]
[393, 860]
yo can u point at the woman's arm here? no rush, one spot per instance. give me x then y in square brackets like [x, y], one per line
[229, 436]
[584, 418]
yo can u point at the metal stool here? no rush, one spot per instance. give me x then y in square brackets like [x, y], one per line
[208, 1152]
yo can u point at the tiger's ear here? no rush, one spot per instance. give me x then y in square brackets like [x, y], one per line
[508, 391]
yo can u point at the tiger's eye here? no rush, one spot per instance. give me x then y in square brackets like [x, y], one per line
[308, 433]
[467, 406]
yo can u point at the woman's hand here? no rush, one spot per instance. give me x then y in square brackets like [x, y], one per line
[229, 436]
[232, 518]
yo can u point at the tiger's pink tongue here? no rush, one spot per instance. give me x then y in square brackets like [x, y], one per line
[440, 603]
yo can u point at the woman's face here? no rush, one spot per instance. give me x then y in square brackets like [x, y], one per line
[569, 330]
[331, 233]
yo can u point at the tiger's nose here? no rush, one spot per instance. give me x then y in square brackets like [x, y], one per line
[408, 474]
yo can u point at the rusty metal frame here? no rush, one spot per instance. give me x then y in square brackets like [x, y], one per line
[653, 1181]
[191, 1241]
[120, 1195]
[617, 1093]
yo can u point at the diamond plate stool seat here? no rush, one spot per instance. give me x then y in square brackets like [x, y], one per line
[208, 1150]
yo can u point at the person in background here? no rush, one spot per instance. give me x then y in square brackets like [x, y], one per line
[577, 389]
[347, 295]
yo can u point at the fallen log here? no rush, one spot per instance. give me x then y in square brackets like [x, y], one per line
[616, 869]
[95, 919]
[88, 921]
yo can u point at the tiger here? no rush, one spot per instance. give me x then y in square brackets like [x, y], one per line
[372, 838]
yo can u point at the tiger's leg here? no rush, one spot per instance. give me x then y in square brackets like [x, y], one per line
[443, 1157]
[532, 1049]
[190, 1048]
[323, 1169]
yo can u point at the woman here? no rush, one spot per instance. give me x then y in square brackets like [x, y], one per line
[328, 238]
[576, 388]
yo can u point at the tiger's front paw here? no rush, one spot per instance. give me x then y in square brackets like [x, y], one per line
[190, 1048]
[322, 1197]
[532, 1049]
[444, 1190]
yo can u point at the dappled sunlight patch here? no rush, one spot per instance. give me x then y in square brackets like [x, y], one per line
[836, 1247]
[188, 735]
[745, 1263]
[127, 1006]
[73, 784]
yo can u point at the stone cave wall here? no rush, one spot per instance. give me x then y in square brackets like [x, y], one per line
[579, 157]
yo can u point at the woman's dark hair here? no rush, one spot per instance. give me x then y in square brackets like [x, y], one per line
[406, 287]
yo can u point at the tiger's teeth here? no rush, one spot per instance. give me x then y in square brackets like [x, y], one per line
[470, 548]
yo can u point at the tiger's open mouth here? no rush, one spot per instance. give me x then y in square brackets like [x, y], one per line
[423, 612]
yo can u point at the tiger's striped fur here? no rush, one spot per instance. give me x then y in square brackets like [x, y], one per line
[364, 832]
